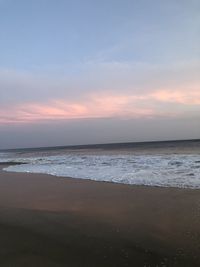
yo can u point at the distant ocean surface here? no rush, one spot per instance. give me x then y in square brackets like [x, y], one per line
[165, 164]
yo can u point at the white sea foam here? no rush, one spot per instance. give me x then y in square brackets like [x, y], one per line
[171, 170]
[6, 157]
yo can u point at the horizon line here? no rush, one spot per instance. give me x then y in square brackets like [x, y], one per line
[98, 145]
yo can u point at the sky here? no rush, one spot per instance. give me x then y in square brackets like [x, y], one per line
[83, 72]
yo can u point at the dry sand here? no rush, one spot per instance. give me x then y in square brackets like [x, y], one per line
[52, 221]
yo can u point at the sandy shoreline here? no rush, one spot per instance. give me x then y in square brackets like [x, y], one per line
[52, 221]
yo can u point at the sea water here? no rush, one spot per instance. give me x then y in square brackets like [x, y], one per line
[166, 164]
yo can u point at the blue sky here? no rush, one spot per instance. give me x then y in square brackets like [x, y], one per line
[48, 32]
[64, 61]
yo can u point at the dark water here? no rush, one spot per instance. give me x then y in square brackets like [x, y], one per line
[176, 146]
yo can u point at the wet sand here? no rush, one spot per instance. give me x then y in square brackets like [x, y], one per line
[53, 221]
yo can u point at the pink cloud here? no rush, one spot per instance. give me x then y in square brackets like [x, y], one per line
[94, 107]
[103, 105]
[189, 95]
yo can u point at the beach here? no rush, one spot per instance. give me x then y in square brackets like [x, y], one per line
[54, 221]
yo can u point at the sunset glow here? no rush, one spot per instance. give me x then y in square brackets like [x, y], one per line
[102, 106]
[130, 73]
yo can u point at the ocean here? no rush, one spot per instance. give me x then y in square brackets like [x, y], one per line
[164, 164]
